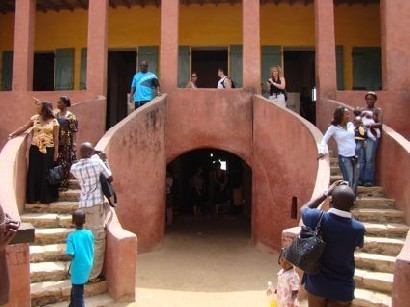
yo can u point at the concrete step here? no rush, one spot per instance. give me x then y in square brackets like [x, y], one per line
[333, 178]
[379, 215]
[390, 230]
[51, 235]
[93, 301]
[69, 195]
[374, 202]
[57, 207]
[334, 161]
[47, 220]
[368, 298]
[375, 191]
[382, 246]
[51, 271]
[51, 252]
[376, 281]
[373, 262]
[73, 184]
[48, 292]
[335, 170]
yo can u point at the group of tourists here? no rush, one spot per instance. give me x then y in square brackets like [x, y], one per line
[356, 141]
[53, 143]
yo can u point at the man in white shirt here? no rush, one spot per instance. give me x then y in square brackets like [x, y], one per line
[88, 171]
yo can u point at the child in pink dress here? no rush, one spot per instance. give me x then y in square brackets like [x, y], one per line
[287, 288]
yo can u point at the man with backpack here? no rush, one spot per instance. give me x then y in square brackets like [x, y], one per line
[224, 81]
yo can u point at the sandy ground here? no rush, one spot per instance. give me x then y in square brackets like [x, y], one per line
[205, 263]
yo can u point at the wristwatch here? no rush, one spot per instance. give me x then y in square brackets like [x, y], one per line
[326, 193]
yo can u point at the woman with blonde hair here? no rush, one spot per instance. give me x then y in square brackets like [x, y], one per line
[43, 153]
[276, 85]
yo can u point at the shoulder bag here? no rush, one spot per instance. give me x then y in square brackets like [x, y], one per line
[307, 249]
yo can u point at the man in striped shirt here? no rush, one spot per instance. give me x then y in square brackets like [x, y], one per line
[88, 171]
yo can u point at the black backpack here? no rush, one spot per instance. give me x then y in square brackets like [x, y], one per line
[233, 83]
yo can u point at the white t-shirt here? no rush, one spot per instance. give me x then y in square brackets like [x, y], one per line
[221, 82]
[344, 138]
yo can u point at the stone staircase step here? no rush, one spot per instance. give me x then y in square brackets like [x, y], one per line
[374, 202]
[377, 281]
[390, 230]
[333, 178]
[334, 170]
[49, 292]
[69, 195]
[51, 252]
[334, 161]
[382, 246]
[367, 298]
[374, 262]
[375, 191]
[47, 220]
[378, 215]
[93, 301]
[57, 207]
[51, 235]
[50, 271]
[73, 184]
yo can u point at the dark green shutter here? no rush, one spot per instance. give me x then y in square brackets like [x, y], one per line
[7, 71]
[149, 54]
[236, 64]
[271, 55]
[64, 69]
[339, 68]
[367, 68]
[184, 65]
[83, 79]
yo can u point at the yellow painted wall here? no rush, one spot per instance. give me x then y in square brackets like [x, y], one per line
[356, 26]
[207, 25]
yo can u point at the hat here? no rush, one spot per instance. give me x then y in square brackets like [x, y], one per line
[371, 93]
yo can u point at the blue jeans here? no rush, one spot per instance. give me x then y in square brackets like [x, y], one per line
[77, 296]
[140, 103]
[369, 170]
[350, 167]
[360, 154]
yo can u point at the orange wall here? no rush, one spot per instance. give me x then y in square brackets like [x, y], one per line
[207, 25]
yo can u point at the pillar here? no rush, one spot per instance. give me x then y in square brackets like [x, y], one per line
[23, 54]
[169, 45]
[97, 52]
[251, 44]
[395, 39]
[325, 50]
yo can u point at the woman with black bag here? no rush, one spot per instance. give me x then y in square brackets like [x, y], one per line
[43, 153]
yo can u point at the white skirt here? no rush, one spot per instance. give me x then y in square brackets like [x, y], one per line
[278, 99]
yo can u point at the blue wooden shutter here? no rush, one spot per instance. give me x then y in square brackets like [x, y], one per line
[83, 79]
[236, 64]
[367, 68]
[149, 54]
[7, 71]
[271, 55]
[64, 69]
[339, 68]
[184, 65]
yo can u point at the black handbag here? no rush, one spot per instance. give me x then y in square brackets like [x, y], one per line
[55, 175]
[306, 251]
[108, 191]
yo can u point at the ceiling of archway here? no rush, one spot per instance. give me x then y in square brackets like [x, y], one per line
[7, 6]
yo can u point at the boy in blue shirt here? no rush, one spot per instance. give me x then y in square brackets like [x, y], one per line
[80, 246]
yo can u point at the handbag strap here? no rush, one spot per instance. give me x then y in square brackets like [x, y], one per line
[319, 223]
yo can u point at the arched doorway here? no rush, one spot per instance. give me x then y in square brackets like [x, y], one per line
[223, 180]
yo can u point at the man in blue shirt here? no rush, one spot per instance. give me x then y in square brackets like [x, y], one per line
[334, 285]
[142, 85]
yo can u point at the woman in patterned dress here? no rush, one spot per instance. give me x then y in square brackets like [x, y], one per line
[42, 154]
[67, 138]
